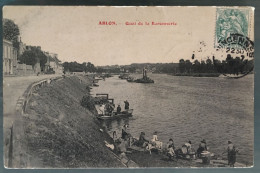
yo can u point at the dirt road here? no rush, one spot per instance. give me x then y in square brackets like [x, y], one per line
[14, 87]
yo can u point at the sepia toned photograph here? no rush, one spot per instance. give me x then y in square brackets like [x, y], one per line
[128, 87]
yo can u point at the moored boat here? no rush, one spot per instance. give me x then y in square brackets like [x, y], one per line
[115, 115]
[123, 76]
[130, 79]
[105, 108]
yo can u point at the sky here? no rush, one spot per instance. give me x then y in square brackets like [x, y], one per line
[74, 33]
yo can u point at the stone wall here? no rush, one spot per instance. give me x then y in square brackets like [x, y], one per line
[23, 69]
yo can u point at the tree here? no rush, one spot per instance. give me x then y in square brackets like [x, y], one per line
[88, 102]
[188, 66]
[11, 32]
[230, 64]
[208, 62]
[32, 56]
[28, 58]
[209, 65]
[218, 66]
[90, 67]
[132, 69]
[182, 65]
[196, 66]
[77, 67]
[202, 66]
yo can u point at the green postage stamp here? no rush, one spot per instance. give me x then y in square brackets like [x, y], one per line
[231, 21]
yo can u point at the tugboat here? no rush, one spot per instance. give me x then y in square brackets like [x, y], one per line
[105, 108]
[145, 78]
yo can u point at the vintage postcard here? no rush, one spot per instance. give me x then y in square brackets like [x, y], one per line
[128, 87]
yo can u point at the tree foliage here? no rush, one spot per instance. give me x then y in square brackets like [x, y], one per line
[32, 56]
[89, 67]
[232, 65]
[88, 102]
[77, 67]
[28, 58]
[11, 32]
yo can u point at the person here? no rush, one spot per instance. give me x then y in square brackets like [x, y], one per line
[114, 136]
[186, 148]
[102, 109]
[231, 151]
[142, 141]
[121, 147]
[125, 132]
[155, 141]
[170, 147]
[118, 109]
[202, 147]
[126, 105]
[109, 108]
[170, 144]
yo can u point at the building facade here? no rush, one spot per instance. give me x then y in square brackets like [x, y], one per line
[9, 58]
[55, 63]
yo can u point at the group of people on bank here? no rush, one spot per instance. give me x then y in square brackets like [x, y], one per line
[186, 150]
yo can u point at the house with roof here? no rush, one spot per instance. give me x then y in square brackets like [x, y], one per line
[53, 63]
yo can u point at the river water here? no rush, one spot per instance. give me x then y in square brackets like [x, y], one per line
[188, 108]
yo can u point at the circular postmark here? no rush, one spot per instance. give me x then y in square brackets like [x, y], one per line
[238, 53]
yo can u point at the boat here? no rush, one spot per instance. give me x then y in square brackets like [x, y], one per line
[123, 76]
[130, 79]
[145, 78]
[115, 115]
[107, 75]
[105, 108]
[97, 78]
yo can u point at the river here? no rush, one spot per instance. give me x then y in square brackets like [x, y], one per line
[188, 108]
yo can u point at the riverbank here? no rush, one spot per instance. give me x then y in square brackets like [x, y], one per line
[61, 133]
[198, 74]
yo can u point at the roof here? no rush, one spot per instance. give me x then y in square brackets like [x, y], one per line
[7, 41]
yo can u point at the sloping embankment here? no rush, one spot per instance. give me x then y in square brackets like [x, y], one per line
[61, 133]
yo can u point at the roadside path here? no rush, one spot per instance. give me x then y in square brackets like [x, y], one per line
[13, 88]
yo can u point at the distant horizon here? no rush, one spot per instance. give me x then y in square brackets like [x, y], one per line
[100, 36]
